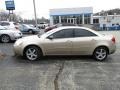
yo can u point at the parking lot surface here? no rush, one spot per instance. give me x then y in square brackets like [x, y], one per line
[59, 73]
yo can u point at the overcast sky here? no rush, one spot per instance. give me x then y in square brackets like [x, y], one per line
[25, 7]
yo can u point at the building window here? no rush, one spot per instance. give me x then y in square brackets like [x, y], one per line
[117, 24]
[79, 19]
[55, 19]
[113, 24]
[63, 19]
[95, 21]
[112, 17]
[87, 19]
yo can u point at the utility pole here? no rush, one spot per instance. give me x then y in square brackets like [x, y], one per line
[35, 14]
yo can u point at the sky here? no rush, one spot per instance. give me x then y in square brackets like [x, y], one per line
[25, 7]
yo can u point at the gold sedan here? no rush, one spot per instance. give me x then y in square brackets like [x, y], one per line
[68, 40]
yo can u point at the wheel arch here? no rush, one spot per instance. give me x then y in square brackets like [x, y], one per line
[102, 46]
[6, 35]
[30, 29]
[30, 46]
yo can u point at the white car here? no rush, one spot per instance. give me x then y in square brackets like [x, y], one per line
[7, 35]
[9, 25]
[42, 25]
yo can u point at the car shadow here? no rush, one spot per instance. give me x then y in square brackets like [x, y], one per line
[55, 59]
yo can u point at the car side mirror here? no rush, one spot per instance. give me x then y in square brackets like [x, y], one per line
[50, 37]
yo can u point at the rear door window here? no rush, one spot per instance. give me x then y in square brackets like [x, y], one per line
[83, 33]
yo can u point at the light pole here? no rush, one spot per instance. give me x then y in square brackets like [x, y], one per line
[35, 14]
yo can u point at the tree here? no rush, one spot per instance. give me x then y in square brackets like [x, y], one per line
[5, 16]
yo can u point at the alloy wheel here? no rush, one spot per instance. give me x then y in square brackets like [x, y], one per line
[100, 53]
[31, 54]
[5, 38]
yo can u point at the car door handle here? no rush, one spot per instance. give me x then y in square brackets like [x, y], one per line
[93, 40]
[69, 41]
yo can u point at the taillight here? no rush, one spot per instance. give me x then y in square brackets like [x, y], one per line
[113, 39]
[16, 28]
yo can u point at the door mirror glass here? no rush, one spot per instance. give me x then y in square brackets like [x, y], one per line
[50, 37]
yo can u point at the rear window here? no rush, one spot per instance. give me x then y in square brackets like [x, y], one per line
[4, 24]
[15, 23]
[2, 28]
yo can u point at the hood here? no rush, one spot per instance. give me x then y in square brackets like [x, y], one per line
[31, 38]
[15, 30]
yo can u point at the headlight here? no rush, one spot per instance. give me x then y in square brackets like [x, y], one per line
[18, 42]
[16, 34]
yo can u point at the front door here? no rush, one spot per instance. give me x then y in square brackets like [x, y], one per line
[61, 43]
[57, 47]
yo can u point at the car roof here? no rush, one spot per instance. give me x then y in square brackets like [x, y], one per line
[66, 27]
[7, 21]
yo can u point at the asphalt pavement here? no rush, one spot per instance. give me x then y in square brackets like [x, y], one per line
[59, 73]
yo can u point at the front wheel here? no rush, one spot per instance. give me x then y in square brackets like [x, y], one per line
[31, 31]
[5, 39]
[32, 53]
[100, 53]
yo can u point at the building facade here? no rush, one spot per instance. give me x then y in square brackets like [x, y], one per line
[83, 15]
[107, 22]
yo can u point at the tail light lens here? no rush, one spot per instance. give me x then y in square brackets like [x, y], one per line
[113, 39]
[16, 28]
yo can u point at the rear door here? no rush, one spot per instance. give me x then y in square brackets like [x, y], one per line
[83, 42]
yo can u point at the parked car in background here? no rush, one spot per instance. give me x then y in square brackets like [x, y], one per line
[7, 35]
[58, 25]
[31, 25]
[69, 40]
[24, 28]
[9, 25]
[50, 28]
[42, 25]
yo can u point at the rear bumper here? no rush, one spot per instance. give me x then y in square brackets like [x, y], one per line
[112, 49]
[17, 50]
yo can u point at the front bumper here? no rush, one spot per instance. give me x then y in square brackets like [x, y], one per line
[18, 50]
[15, 37]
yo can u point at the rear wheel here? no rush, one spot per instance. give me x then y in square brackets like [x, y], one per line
[5, 39]
[32, 53]
[100, 53]
[30, 31]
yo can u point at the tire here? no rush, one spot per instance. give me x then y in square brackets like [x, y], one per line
[5, 38]
[100, 53]
[33, 32]
[30, 31]
[32, 53]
